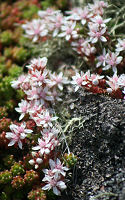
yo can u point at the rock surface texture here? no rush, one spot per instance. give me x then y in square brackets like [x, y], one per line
[98, 140]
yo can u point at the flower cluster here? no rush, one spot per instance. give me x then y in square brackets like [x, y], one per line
[54, 176]
[97, 84]
[17, 134]
[109, 60]
[55, 23]
[88, 81]
[35, 29]
[46, 144]
[83, 47]
[38, 86]
[86, 31]
[41, 89]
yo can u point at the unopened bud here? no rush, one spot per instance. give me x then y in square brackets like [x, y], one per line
[39, 160]
[109, 90]
[31, 162]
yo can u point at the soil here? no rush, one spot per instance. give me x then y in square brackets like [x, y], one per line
[98, 140]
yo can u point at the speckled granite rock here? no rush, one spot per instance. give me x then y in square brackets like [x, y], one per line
[99, 144]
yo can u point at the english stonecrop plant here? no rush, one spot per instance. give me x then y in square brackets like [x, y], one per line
[13, 50]
[41, 88]
[36, 136]
[88, 33]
